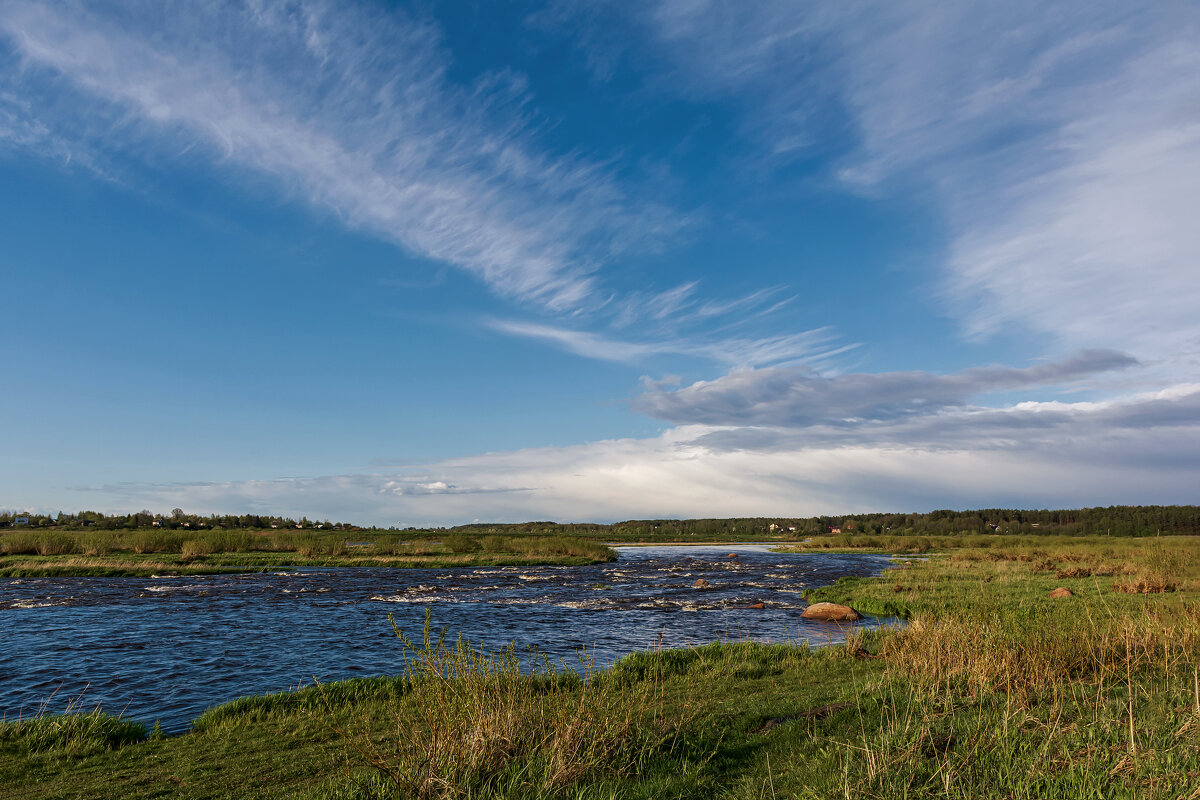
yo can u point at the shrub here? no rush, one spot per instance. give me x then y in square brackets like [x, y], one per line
[496, 544]
[460, 544]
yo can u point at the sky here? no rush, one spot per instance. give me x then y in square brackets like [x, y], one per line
[437, 263]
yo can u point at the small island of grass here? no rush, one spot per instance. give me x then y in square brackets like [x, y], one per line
[171, 552]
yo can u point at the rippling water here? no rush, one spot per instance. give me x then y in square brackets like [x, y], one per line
[168, 648]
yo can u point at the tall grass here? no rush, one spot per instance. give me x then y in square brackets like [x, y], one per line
[476, 721]
[207, 546]
[97, 544]
[48, 543]
[995, 690]
[75, 732]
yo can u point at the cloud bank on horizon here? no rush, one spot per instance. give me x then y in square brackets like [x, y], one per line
[858, 257]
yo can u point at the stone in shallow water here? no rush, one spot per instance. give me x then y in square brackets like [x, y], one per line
[831, 612]
[700, 583]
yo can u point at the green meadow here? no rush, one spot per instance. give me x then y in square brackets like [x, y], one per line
[991, 689]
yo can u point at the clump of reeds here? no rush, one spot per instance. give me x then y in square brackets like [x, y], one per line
[473, 719]
[97, 544]
[1022, 655]
[74, 732]
[45, 543]
[312, 545]
[142, 542]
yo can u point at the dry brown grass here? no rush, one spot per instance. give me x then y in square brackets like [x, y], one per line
[1145, 585]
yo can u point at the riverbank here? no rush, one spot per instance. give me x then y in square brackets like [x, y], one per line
[146, 554]
[994, 689]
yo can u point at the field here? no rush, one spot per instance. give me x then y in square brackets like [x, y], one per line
[153, 552]
[992, 690]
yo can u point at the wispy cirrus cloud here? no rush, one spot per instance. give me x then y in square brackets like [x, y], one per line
[346, 108]
[817, 348]
[1059, 143]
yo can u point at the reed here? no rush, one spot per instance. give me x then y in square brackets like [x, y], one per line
[75, 732]
[473, 720]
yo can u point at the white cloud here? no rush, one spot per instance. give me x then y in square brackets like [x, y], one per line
[1060, 141]
[350, 111]
[816, 348]
[798, 397]
[1078, 458]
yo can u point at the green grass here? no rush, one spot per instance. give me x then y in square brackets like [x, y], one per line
[144, 553]
[993, 690]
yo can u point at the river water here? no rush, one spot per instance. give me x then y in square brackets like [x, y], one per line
[168, 648]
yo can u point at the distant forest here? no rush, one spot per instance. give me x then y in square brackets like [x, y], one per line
[1110, 521]
[175, 520]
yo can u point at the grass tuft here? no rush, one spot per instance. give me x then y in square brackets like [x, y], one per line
[472, 721]
[75, 732]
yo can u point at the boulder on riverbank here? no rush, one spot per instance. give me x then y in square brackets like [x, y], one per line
[1061, 592]
[831, 612]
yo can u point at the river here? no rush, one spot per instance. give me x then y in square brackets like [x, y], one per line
[168, 648]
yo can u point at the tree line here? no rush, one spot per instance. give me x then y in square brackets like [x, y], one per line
[1099, 521]
[175, 520]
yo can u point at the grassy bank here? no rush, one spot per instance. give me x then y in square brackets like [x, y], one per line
[994, 690]
[39, 553]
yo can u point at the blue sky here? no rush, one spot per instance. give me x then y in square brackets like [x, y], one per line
[432, 264]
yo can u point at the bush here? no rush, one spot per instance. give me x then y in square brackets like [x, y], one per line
[460, 544]
[496, 544]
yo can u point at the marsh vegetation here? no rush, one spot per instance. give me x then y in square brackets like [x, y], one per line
[993, 689]
[144, 552]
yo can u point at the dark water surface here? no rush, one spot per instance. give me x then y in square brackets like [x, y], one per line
[168, 648]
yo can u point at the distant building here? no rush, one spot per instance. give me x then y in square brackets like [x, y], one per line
[21, 521]
[835, 530]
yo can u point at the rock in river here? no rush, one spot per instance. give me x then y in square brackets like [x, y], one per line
[1061, 592]
[831, 612]
[700, 583]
